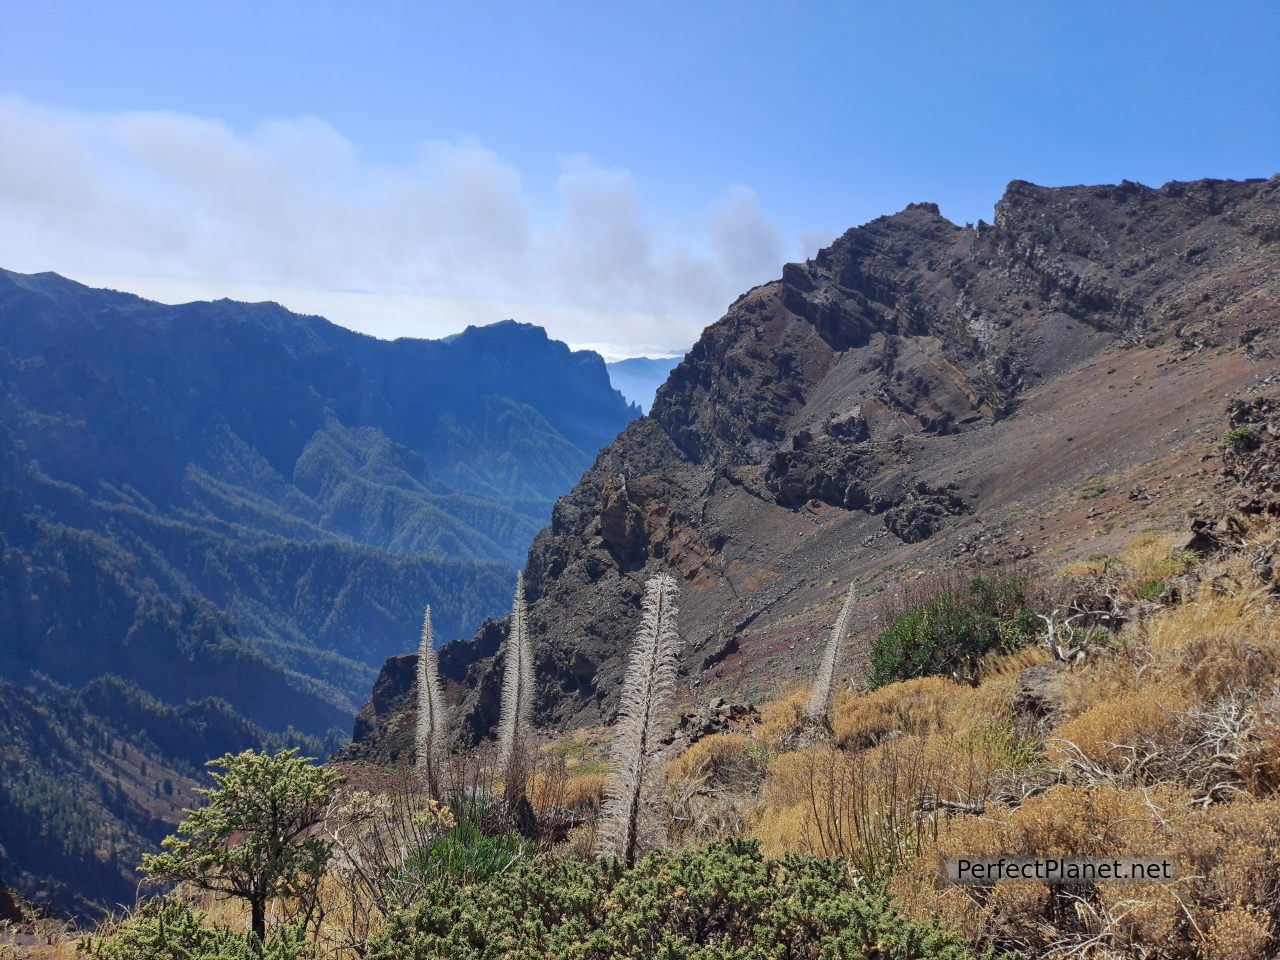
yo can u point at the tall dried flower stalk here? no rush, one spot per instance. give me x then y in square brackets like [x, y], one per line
[517, 695]
[432, 719]
[818, 708]
[649, 685]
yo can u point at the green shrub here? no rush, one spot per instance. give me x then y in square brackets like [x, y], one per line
[1152, 590]
[950, 633]
[466, 854]
[1241, 439]
[723, 902]
[167, 928]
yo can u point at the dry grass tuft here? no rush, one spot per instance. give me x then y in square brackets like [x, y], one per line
[1236, 932]
[710, 758]
[1219, 643]
[859, 806]
[783, 720]
[552, 793]
[913, 707]
[1107, 732]
[711, 787]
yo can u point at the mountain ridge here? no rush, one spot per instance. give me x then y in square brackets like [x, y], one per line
[233, 514]
[919, 394]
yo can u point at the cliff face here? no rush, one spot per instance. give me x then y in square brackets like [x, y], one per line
[919, 395]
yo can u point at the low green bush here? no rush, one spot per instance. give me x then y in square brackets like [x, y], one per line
[722, 902]
[167, 928]
[1241, 439]
[949, 634]
[1152, 590]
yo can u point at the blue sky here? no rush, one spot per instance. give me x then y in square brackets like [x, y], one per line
[616, 172]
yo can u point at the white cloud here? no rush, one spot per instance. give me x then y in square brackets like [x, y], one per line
[178, 207]
[747, 241]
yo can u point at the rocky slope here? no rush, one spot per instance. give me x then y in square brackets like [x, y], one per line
[919, 395]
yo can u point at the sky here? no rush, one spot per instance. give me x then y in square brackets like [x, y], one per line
[616, 172]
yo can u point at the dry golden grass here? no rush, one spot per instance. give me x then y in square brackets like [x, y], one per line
[781, 823]
[707, 756]
[1216, 644]
[1237, 932]
[783, 719]
[52, 943]
[924, 738]
[1153, 556]
[912, 707]
[1227, 861]
[1003, 668]
[711, 787]
[585, 790]
[1216, 655]
[1222, 642]
[549, 791]
[1207, 666]
[582, 746]
[863, 805]
[1095, 567]
[859, 806]
[1150, 559]
[1262, 759]
[930, 705]
[1136, 718]
[567, 780]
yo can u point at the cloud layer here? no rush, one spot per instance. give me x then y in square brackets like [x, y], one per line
[179, 207]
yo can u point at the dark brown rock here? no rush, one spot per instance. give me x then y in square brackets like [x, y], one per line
[396, 679]
[922, 512]
[1252, 457]
[717, 716]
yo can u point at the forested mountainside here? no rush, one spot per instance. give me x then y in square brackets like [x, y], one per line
[218, 519]
[919, 396]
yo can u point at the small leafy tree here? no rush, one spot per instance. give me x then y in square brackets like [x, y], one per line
[254, 838]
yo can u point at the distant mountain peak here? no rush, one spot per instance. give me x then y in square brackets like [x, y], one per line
[506, 326]
[638, 378]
